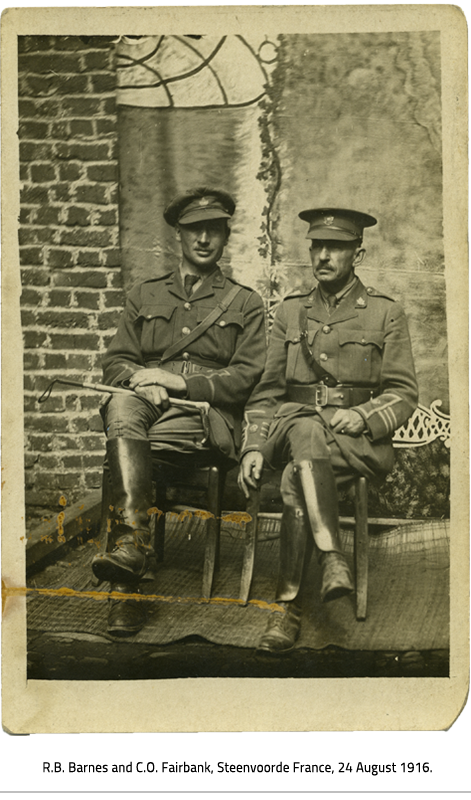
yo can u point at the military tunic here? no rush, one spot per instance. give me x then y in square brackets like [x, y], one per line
[220, 367]
[364, 343]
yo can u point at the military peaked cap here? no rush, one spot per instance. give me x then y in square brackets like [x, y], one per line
[336, 223]
[199, 204]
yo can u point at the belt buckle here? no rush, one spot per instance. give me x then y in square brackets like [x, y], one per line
[186, 364]
[321, 395]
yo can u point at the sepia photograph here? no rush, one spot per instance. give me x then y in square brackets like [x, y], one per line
[240, 277]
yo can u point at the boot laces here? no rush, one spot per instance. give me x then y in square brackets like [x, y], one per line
[281, 621]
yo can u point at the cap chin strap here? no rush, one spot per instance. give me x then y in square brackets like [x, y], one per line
[333, 228]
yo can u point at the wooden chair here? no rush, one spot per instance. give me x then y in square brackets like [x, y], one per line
[360, 552]
[210, 477]
[203, 472]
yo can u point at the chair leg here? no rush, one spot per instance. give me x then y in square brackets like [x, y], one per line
[253, 507]
[213, 530]
[159, 530]
[106, 516]
[361, 546]
[106, 501]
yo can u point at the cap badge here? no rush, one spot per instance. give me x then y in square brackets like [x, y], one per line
[328, 220]
[205, 201]
[361, 301]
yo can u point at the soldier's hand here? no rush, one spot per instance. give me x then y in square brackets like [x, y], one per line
[155, 394]
[157, 377]
[348, 421]
[250, 471]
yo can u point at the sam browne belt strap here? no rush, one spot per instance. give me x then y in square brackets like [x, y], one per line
[319, 372]
[210, 319]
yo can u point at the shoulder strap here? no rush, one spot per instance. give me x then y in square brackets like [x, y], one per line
[209, 320]
[320, 373]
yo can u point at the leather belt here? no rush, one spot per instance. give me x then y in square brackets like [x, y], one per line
[182, 366]
[317, 394]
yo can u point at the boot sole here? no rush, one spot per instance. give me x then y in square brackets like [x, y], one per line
[122, 632]
[272, 652]
[268, 644]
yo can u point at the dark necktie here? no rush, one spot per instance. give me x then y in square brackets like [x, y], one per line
[332, 302]
[189, 282]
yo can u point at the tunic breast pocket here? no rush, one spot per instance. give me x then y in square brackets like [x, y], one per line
[297, 371]
[220, 340]
[360, 356]
[157, 332]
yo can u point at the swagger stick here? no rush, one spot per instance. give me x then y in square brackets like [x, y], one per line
[193, 405]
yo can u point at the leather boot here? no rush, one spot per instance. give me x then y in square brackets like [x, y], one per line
[283, 629]
[125, 617]
[336, 577]
[294, 533]
[320, 495]
[130, 464]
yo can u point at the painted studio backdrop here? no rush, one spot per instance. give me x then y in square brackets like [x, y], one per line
[283, 123]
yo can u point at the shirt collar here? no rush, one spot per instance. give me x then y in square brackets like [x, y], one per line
[339, 295]
[182, 271]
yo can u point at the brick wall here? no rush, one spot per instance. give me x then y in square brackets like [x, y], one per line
[69, 256]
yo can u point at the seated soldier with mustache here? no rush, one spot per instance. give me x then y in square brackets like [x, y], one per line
[339, 380]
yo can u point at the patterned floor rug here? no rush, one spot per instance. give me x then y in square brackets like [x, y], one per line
[408, 598]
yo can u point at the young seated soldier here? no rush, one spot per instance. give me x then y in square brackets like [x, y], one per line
[338, 381]
[191, 333]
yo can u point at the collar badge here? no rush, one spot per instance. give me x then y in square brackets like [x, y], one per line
[361, 301]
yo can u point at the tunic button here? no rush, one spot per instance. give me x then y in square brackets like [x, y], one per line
[223, 323]
[187, 306]
[326, 329]
[185, 356]
[186, 330]
[323, 356]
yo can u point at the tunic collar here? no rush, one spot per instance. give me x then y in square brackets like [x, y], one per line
[203, 288]
[355, 299]
[338, 295]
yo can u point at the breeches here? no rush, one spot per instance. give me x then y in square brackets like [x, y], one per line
[307, 439]
[133, 417]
